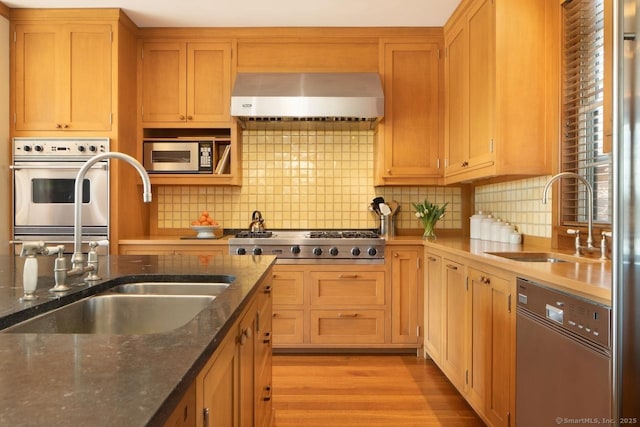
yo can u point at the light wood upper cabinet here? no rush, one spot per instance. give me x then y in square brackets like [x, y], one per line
[63, 77]
[496, 116]
[185, 82]
[411, 136]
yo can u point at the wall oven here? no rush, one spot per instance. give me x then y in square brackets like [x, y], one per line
[44, 171]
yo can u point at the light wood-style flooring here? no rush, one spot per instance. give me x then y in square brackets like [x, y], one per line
[365, 390]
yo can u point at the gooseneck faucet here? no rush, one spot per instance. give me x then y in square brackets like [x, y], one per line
[77, 259]
[589, 188]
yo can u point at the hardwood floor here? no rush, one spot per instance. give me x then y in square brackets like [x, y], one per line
[365, 390]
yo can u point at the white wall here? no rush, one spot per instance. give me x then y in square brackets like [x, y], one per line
[5, 158]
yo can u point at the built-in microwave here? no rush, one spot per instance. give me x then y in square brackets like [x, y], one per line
[178, 155]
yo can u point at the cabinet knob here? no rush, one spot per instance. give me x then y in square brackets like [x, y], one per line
[245, 335]
[181, 116]
[388, 171]
[189, 117]
[465, 164]
[58, 126]
[267, 289]
[65, 126]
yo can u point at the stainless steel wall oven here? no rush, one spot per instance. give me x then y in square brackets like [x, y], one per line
[44, 171]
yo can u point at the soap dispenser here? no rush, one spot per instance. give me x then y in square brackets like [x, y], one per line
[30, 270]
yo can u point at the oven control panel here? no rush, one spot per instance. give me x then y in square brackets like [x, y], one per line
[44, 148]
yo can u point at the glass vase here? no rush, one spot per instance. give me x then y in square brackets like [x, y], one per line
[429, 231]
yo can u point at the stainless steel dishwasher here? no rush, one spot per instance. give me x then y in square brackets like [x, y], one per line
[563, 358]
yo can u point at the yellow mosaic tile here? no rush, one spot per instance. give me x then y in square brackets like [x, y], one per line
[303, 179]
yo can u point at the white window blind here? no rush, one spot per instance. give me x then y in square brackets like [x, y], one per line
[583, 112]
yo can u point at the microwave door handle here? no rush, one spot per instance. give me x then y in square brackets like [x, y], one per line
[103, 166]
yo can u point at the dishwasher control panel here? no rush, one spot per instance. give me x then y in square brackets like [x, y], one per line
[586, 318]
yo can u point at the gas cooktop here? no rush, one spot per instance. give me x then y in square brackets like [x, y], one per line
[349, 245]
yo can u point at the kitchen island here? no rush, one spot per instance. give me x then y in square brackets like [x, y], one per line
[100, 379]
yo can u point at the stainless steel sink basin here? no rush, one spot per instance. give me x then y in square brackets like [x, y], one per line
[118, 314]
[541, 257]
[171, 288]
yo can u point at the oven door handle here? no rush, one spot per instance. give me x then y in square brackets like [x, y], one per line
[102, 165]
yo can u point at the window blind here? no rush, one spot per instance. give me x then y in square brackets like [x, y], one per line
[583, 112]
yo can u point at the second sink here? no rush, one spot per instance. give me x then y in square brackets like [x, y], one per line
[171, 288]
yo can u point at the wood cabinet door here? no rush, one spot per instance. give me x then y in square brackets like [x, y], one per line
[433, 311]
[413, 108]
[456, 99]
[164, 79]
[481, 71]
[219, 388]
[39, 69]
[88, 104]
[347, 288]
[490, 367]
[288, 327]
[347, 326]
[406, 282]
[246, 352]
[208, 82]
[454, 355]
[63, 77]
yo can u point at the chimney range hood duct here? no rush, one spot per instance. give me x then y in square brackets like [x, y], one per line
[342, 98]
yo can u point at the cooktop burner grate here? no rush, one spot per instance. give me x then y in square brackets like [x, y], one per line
[254, 234]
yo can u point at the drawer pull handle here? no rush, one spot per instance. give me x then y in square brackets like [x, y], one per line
[347, 314]
[274, 315]
[267, 338]
[452, 267]
[432, 259]
[348, 276]
[267, 289]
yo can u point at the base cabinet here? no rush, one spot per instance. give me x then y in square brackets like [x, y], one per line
[433, 307]
[456, 325]
[469, 331]
[406, 277]
[491, 338]
[234, 387]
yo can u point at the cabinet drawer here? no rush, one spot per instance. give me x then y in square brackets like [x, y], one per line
[346, 288]
[347, 326]
[263, 398]
[287, 287]
[286, 327]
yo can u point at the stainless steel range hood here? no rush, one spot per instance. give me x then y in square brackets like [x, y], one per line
[308, 97]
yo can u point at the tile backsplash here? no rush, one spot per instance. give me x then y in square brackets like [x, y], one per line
[303, 179]
[518, 202]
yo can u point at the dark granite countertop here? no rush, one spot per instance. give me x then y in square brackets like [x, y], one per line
[106, 380]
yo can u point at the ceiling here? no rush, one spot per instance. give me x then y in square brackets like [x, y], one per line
[274, 13]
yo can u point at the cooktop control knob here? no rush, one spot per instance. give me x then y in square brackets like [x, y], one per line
[93, 148]
[37, 148]
[317, 251]
[27, 148]
[81, 148]
[355, 251]
[295, 249]
[241, 251]
[257, 251]
[333, 251]
[372, 251]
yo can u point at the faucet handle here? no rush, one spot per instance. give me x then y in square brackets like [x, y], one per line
[573, 231]
[607, 233]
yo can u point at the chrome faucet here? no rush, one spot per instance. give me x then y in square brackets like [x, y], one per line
[77, 259]
[589, 188]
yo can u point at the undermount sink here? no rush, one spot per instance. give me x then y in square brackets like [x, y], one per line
[171, 288]
[541, 257]
[118, 314]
